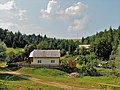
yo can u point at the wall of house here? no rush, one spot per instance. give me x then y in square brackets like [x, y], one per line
[45, 61]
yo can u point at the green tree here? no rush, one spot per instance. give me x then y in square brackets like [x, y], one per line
[28, 49]
[62, 52]
[2, 51]
[42, 45]
[102, 49]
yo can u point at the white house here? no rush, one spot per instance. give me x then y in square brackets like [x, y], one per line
[48, 58]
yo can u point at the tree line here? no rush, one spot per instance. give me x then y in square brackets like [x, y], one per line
[19, 40]
[31, 42]
[103, 47]
[104, 42]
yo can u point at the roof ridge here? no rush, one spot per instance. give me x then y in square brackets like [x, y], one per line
[45, 53]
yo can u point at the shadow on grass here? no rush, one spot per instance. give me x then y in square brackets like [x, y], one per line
[10, 68]
[14, 68]
[10, 77]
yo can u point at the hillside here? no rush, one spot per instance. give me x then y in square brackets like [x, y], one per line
[54, 80]
[110, 35]
[104, 47]
[17, 50]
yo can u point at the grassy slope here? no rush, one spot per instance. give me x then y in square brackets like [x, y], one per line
[58, 76]
[14, 50]
[43, 72]
[90, 82]
[13, 82]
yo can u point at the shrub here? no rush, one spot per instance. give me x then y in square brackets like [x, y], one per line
[89, 70]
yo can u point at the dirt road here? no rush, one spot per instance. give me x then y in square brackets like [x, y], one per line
[53, 83]
[41, 81]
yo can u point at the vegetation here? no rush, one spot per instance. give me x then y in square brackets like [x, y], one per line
[15, 50]
[101, 59]
[101, 82]
[2, 51]
[103, 43]
[43, 72]
[105, 47]
[13, 82]
[17, 40]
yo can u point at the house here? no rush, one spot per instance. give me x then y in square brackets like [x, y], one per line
[84, 46]
[47, 58]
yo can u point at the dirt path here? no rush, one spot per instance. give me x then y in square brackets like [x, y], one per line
[110, 85]
[53, 83]
[41, 81]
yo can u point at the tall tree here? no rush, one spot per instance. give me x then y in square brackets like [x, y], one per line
[2, 51]
[42, 45]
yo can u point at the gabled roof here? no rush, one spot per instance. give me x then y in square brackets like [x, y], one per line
[45, 53]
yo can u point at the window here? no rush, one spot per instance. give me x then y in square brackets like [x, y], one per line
[52, 61]
[39, 61]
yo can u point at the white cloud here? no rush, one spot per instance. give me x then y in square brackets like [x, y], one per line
[7, 25]
[32, 29]
[75, 14]
[7, 6]
[79, 17]
[10, 10]
[77, 10]
[21, 14]
[52, 9]
[1, 20]
[78, 24]
[29, 29]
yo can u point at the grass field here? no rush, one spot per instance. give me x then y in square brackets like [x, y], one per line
[14, 82]
[43, 72]
[14, 50]
[106, 82]
[53, 75]
[86, 82]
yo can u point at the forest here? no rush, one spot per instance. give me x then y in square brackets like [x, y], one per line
[104, 47]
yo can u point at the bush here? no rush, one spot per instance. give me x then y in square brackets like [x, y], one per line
[90, 71]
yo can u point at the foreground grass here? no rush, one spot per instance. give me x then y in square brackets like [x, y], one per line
[87, 82]
[25, 84]
[14, 82]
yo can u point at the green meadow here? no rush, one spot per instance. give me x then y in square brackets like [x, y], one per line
[17, 50]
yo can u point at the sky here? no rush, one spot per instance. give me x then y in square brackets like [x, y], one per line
[69, 19]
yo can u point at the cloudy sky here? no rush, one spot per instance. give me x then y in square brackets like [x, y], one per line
[59, 18]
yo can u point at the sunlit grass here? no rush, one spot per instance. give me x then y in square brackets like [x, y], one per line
[3, 64]
[14, 82]
[14, 50]
[93, 82]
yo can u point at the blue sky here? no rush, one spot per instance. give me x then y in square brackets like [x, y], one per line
[59, 18]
